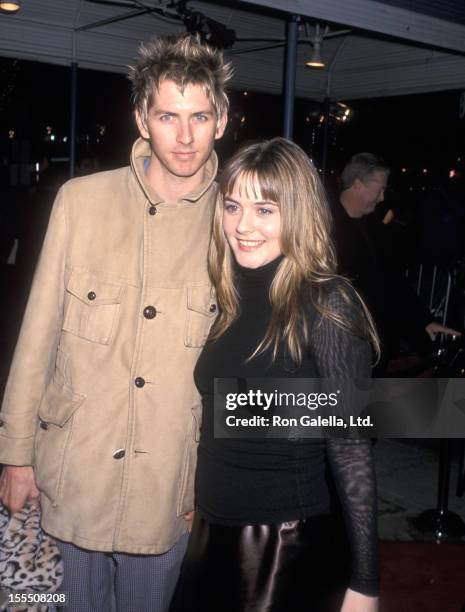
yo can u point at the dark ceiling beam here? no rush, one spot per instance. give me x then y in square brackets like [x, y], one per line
[375, 17]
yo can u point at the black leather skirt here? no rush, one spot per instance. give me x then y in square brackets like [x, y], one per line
[296, 566]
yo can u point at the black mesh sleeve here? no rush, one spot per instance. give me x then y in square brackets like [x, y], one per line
[340, 354]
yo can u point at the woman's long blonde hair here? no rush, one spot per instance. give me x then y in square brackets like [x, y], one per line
[285, 175]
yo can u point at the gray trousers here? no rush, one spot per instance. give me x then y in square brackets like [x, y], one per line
[118, 582]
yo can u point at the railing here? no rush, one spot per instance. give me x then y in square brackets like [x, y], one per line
[434, 284]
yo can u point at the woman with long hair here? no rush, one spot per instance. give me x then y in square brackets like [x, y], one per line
[267, 534]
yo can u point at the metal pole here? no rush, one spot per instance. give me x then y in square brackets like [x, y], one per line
[440, 521]
[444, 477]
[97, 24]
[292, 33]
[446, 305]
[72, 127]
[327, 105]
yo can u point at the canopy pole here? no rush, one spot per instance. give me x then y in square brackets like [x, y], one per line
[292, 33]
[327, 107]
[72, 125]
[326, 112]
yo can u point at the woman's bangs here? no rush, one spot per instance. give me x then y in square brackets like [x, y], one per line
[242, 181]
[255, 177]
[269, 185]
[255, 185]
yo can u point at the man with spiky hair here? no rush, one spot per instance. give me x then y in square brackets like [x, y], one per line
[100, 416]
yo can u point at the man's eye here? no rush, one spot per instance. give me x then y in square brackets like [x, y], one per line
[201, 117]
[166, 117]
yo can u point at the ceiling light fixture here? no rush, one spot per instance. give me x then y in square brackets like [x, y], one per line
[10, 7]
[315, 60]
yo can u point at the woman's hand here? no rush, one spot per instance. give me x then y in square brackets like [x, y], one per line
[356, 602]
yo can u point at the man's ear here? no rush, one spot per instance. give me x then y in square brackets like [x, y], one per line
[221, 125]
[141, 125]
[357, 184]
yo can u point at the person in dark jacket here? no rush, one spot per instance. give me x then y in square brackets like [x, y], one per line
[359, 237]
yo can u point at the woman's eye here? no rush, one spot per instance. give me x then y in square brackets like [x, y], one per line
[265, 211]
[230, 208]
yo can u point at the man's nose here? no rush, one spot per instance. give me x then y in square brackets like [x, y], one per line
[185, 135]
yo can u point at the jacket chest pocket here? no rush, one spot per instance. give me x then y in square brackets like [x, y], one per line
[201, 312]
[92, 308]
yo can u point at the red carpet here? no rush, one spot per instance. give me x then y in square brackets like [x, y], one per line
[422, 577]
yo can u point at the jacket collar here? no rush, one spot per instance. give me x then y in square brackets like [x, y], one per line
[141, 151]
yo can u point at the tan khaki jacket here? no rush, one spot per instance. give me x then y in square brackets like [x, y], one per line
[100, 398]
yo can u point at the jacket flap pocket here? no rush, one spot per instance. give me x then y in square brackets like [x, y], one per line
[202, 299]
[92, 290]
[59, 404]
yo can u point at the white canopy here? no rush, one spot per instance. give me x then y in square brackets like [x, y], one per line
[373, 49]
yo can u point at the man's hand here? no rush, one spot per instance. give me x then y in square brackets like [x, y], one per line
[433, 329]
[356, 602]
[189, 517]
[17, 486]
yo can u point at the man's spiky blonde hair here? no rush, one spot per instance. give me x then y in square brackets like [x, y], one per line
[184, 60]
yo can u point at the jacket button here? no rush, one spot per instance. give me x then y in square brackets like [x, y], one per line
[212, 308]
[139, 382]
[91, 295]
[119, 454]
[150, 312]
[153, 210]
[43, 425]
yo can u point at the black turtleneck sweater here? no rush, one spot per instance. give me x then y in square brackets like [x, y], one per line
[263, 481]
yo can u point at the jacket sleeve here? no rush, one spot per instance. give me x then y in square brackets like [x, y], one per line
[339, 354]
[34, 358]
